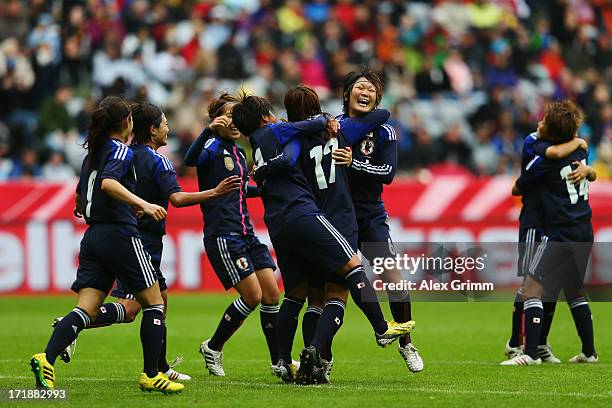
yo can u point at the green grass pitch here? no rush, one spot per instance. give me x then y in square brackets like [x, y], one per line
[461, 344]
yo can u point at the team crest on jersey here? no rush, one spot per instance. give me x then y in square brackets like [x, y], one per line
[367, 146]
[242, 263]
[229, 163]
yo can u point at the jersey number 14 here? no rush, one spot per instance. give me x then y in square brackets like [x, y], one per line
[583, 186]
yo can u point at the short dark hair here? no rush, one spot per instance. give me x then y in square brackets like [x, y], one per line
[352, 77]
[215, 107]
[248, 112]
[561, 121]
[145, 115]
[301, 103]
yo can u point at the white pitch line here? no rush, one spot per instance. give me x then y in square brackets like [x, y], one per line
[350, 387]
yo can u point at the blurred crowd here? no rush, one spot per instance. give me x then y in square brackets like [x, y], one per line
[466, 80]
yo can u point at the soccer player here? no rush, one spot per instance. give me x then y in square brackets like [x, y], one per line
[239, 259]
[156, 183]
[111, 247]
[565, 248]
[316, 156]
[530, 234]
[373, 165]
[300, 233]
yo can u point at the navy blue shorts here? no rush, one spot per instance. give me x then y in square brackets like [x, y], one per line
[318, 280]
[234, 257]
[373, 222]
[562, 257]
[153, 244]
[310, 245]
[529, 239]
[113, 251]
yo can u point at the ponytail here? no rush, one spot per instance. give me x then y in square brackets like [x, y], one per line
[106, 119]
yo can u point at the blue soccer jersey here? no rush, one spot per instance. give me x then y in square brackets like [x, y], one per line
[532, 212]
[328, 182]
[114, 160]
[216, 159]
[286, 196]
[564, 203]
[374, 164]
[156, 182]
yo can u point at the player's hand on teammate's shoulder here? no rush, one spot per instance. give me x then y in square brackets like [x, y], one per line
[227, 185]
[583, 144]
[343, 156]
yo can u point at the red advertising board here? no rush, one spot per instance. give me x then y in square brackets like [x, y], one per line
[39, 236]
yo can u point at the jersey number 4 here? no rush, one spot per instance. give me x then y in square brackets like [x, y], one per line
[317, 154]
[583, 186]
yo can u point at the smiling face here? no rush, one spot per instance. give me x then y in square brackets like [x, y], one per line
[229, 132]
[159, 134]
[362, 98]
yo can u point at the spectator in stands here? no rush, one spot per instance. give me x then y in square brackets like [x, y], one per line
[56, 169]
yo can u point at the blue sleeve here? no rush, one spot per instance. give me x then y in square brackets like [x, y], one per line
[117, 163]
[531, 175]
[195, 150]
[540, 146]
[165, 177]
[279, 164]
[287, 131]
[384, 171]
[356, 128]
[208, 152]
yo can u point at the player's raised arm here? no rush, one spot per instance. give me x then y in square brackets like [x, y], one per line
[195, 151]
[287, 131]
[277, 165]
[385, 171]
[560, 151]
[355, 128]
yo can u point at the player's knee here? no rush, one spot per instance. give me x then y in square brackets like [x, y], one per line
[270, 295]
[131, 311]
[252, 297]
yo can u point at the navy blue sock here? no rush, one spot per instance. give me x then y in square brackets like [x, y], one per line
[65, 332]
[309, 323]
[110, 313]
[581, 312]
[517, 320]
[232, 319]
[329, 323]
[549, 313]
[287, 326]
[365, 298]
[151, 335]
[269, 321]
[534, 314]
[401, 310]
[163, 364]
